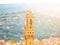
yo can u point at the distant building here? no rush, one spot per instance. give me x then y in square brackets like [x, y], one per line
[51, 41]
[2, 42]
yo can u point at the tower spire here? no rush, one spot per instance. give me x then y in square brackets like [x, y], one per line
[30, 12]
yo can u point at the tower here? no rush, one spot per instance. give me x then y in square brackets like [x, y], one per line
[29, 31]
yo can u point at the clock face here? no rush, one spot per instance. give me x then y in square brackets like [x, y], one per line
[30, 23]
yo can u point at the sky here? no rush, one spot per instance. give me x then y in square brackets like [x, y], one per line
[46, 7]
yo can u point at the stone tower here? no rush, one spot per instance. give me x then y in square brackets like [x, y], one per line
[29, 31]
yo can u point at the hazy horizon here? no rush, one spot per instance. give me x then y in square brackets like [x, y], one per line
[47, 21]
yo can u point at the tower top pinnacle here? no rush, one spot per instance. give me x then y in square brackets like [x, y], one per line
[29, 13]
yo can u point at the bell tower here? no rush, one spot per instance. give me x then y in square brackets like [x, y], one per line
[29, 31]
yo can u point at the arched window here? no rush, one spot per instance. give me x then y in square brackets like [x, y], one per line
[30, 32]
[30, 23]
[29, 42]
